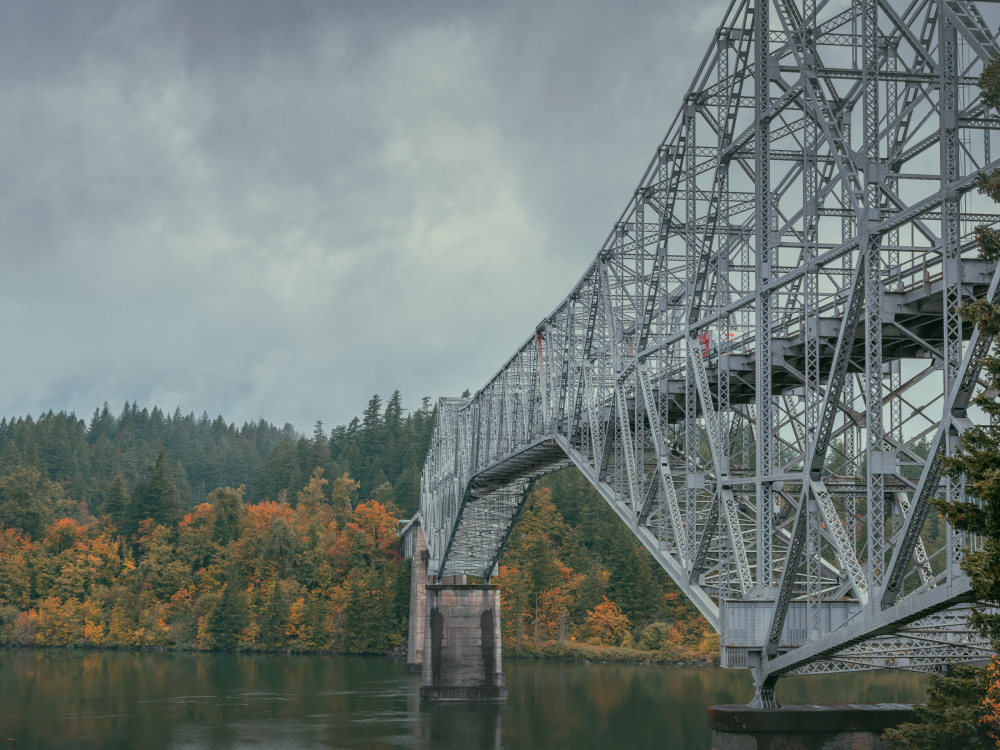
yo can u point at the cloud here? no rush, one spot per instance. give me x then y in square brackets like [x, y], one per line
[276, 210]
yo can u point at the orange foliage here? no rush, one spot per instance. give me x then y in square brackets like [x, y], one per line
[263, 514]
[606, 624]
[507, 580]
[375, 520]
[63, 534]
[202, 515]
[695, 634]
[992, 700]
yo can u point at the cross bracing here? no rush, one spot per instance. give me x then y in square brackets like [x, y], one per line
[763, 366]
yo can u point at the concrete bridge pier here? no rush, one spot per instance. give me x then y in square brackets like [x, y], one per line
[843, 726]
[462, 645]
[420, 558]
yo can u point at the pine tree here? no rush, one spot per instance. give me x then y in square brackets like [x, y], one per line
[630, 583]
[229, 514]
[371, 431]
[228, 618]
[279, 547]
[116, 503]
[23, 503]
[274, 618]
[162, 500]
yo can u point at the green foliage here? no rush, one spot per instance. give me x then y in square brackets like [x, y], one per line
[229, 514]
[655, 636]
[630, 582]
[228, 618]
[950, 718]
[989, 83]
[116, 503]
[25, 504]
[275, 618]
[369, 624]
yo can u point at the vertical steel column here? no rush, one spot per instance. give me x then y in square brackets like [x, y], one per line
[722, 296]
[847, 230]
[870, 243]
[950, 260]
[762, 333]
[810, 313]
[691, 434]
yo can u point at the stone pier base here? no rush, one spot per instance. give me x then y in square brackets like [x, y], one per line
[462, 645]
[845, 726]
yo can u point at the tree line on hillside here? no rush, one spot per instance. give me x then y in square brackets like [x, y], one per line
[169, 463]
[322, 573]
[116, 533]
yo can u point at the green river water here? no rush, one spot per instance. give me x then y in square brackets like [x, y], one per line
[74, 699]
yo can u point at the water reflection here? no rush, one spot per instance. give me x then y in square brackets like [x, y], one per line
[64, 699]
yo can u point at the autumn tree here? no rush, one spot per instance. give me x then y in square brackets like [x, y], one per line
[344, 499]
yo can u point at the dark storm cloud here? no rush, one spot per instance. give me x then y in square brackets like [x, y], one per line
[278, 209]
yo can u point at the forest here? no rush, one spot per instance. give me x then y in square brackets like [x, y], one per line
[146, 529]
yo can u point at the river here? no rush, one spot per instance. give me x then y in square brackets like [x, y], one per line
[81, 699]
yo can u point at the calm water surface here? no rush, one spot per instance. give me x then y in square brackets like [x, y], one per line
[66, 699]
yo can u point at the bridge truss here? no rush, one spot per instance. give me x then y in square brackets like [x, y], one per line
[764, 365]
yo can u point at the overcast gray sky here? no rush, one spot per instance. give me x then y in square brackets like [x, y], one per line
[276, 209]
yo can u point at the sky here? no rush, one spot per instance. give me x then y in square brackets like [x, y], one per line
[277, 209]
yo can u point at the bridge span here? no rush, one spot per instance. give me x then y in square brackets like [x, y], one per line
[763, 366]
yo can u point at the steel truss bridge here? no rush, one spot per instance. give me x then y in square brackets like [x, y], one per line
[764, 365]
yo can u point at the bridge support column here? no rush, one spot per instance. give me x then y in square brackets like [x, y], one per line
[418, 602]
[842, 726]
[462, 645]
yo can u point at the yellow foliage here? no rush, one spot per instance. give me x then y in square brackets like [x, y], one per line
[607, 624]
[312, 494]
[299, 628]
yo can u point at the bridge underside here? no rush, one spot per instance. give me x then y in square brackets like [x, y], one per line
[765, 364]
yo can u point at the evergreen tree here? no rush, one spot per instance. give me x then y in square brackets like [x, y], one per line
[950, 720]
[368, 617]
[279, 548]
[116, 502]
[275, 617]
[630, 583]
[229, 512]
[228, 617]
[371, 426]
[23, 501]
[161, 500]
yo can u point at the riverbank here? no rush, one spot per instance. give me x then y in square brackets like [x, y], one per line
[670, 653]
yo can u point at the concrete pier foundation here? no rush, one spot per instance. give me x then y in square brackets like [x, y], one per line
[462, 645]
[844, 726]
[418, 601]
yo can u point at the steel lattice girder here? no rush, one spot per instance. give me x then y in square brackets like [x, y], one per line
[763, 366]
